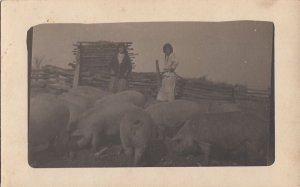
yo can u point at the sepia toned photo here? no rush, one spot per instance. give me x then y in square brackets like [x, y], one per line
[151, 94]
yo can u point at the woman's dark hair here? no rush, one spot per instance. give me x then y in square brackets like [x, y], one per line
[169, 46]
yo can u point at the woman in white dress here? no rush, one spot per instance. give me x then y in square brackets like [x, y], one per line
[167, 90]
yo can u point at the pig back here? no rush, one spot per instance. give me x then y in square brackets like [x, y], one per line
[104, 118]
[83, 101]
[88, 91]
[227, 130]
[174, 113]
[128, 96]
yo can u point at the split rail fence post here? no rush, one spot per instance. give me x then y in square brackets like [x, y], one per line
[77, 68]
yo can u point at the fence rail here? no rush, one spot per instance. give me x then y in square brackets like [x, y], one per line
[60, 80]
[91, 69]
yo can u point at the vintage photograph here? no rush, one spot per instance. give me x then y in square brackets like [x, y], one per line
[151, 94]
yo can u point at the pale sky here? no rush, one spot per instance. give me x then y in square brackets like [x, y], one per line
[231, 52]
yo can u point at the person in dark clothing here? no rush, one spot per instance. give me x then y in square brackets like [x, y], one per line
[120, 67]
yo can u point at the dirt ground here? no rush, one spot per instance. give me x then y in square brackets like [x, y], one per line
[157, 154]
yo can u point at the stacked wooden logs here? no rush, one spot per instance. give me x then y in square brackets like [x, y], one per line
[60, 80]
[91, 69]
[254, 95]
[94, 58]
[201, 90]
[53, 78]
[190, 89]
[145, 82]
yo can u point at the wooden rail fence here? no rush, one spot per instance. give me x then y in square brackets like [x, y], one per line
[91, 69]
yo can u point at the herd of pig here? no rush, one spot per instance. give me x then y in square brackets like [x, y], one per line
[89, 118]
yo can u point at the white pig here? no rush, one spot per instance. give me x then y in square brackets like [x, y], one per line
[82, 101]
[172, 114]
[75, 111]
[88, 91]
[48, 119]
[98, 123]
[231, 131]
[129, 96]
[136, 132]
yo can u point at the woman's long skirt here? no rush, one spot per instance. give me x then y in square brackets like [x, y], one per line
[167, 90]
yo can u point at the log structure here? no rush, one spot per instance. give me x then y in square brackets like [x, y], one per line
[91, 69]
[92, 60]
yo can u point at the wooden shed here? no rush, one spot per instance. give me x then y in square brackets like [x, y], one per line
[92, 60]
